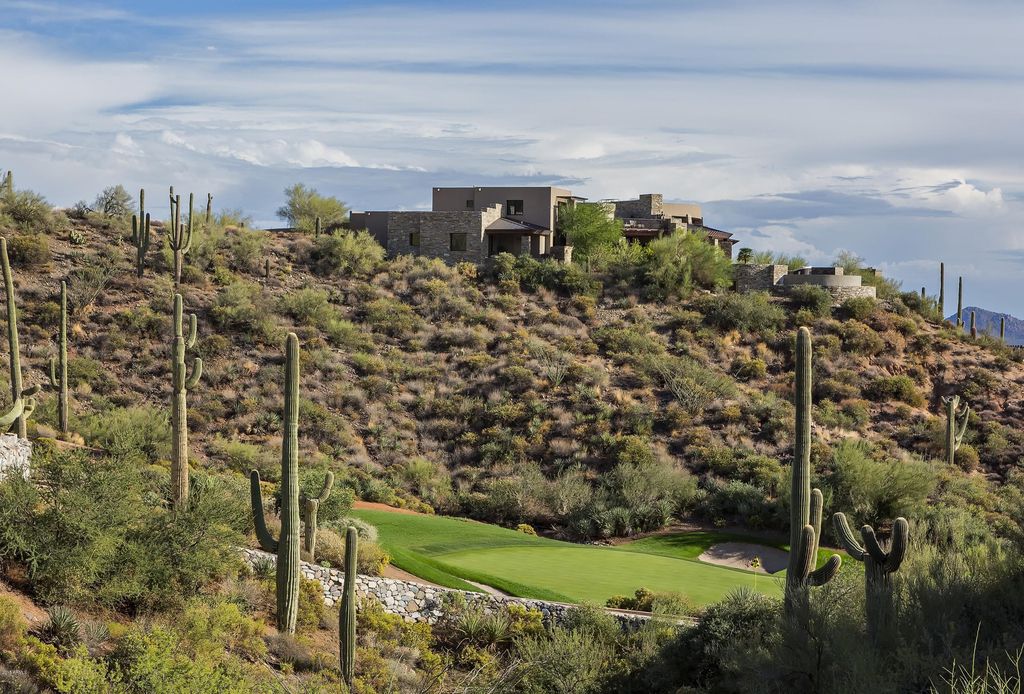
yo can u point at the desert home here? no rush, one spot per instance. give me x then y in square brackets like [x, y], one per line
[474, 223]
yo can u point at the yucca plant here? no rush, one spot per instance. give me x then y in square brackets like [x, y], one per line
[63, 631]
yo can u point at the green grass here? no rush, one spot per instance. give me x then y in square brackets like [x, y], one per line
[450, 551]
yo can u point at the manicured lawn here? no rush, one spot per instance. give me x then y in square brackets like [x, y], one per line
[449, 551]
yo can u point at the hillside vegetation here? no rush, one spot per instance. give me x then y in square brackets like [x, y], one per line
[587, 405]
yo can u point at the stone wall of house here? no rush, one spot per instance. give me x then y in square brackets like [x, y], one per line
[647, 206]
[757, 278]
[435, 230]
[15, 454]
[839, 294]
[418, 602]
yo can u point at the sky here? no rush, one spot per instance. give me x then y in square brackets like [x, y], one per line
[892, 129]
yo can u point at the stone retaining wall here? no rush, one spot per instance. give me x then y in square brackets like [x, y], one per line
[15, 454]
[417, 602]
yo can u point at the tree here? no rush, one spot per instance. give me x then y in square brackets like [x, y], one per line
[745, 255]
[306, 204]
[684, 261]
[589, 229]
[114, 201]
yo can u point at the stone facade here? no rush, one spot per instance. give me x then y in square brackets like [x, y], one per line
[435, 231]
[15, 454]
[417, 602]
[777, 280]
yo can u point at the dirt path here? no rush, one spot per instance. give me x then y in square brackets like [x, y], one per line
[738, 555]
[391, 571]
[374, 506]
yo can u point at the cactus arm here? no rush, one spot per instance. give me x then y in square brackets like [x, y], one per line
[817, 503]
[846, 537]
[805, 557]
[827, 572]
[325, 491]
[898, 545]
[266, 540]
[54, 381]
[30, 407]
[961, 425]
[197, 373]
[872, 545]
[16, 411]
[190, 341]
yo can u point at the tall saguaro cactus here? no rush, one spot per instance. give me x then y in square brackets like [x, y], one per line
[287, 545]
[316, 231]
[310, 508]
[181, 383]
[59, 364]
[209, 209]
[141, 234]
[8, 183]
[960, 303]
[1002, 328]
[805, 504]
[957, 415]
[12, 337]
[942, 291]
[180, 236]
[347, 615]
[974, 326]
[880, 563]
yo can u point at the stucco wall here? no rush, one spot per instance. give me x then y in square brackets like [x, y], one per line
[15, 454]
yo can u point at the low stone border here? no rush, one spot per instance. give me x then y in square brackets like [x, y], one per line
[417, 602]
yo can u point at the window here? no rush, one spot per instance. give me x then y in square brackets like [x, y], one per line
[469, 204]
[457, 242]
[513, 207]
[414, 238]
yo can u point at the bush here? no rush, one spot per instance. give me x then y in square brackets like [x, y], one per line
[682, 262]
[353, 254]
[815, 300]
[899, 388]
[133, 434]
[392, 318]
[28, 251]
[114, 201]
[304, 205]
[13, 626]
[528, 273]
[240, 306]
[63, 630]
[26, 210]
[857, 308]
[748, 313]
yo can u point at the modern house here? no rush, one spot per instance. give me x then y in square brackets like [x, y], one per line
[780, 280]
[473, 223]
[649, 217]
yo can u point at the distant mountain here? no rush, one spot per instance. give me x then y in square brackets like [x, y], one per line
[988, 322]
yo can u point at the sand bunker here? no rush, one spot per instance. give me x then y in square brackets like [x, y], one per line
[739, 555]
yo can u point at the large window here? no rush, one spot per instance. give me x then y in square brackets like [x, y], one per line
[414, 238]
[457, 242]
[513, 207]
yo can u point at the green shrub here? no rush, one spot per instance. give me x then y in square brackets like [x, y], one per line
[753, 369]
[899, 388]
[857, 308]
[354, 254]
[28, 251]
[241, 307]
[528, 273]
[248, 248]
[681, 262]
[26, 210]
[392, 317]
[748, 313]
[135, 434]
[815, 300]
[307, 306]
[63, 630]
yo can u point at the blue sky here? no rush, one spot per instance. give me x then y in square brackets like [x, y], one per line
[890, 129]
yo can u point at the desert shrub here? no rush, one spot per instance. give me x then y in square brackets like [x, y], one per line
[752, 369]
[114, 201]
[815, 300]
[26, 210]
[29, 250]
[366, 531]
[392, 317]
[748, 313]
[305, 204]
[860, 339]
[528, 273]
[241, 307]
[247, 249]
[63, 630]
[563, 662]
[347, 335]
[354, 254]
[899, 388]
[135, 434]
[307, 306]
[681, 262]
[628, 340]
[87, 282]
[857, 308]
[875, 491]
[692, 385]
[13, 626]
[651, 489]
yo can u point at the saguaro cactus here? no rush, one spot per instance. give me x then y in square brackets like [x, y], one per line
[180, 236]
[209, 209]
[1002, 329]
[140, 234]
[957, 415]
[960, 303]
[181, 383]
[942, 291]
[12, 337]
[310, 507]
[347, 615]
[59, 364]
[880, 563]
[8, 183]
[974, 326]
[316, 232]
[22, 407]
[287, 546]
[805, 503]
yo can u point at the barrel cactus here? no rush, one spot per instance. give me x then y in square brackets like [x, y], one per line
[957, 414]
[805, 512]
[881, 561]
[347, 614]
[287, 545]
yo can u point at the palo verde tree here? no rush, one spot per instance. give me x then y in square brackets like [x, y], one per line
[589, 228]
[304, 205]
